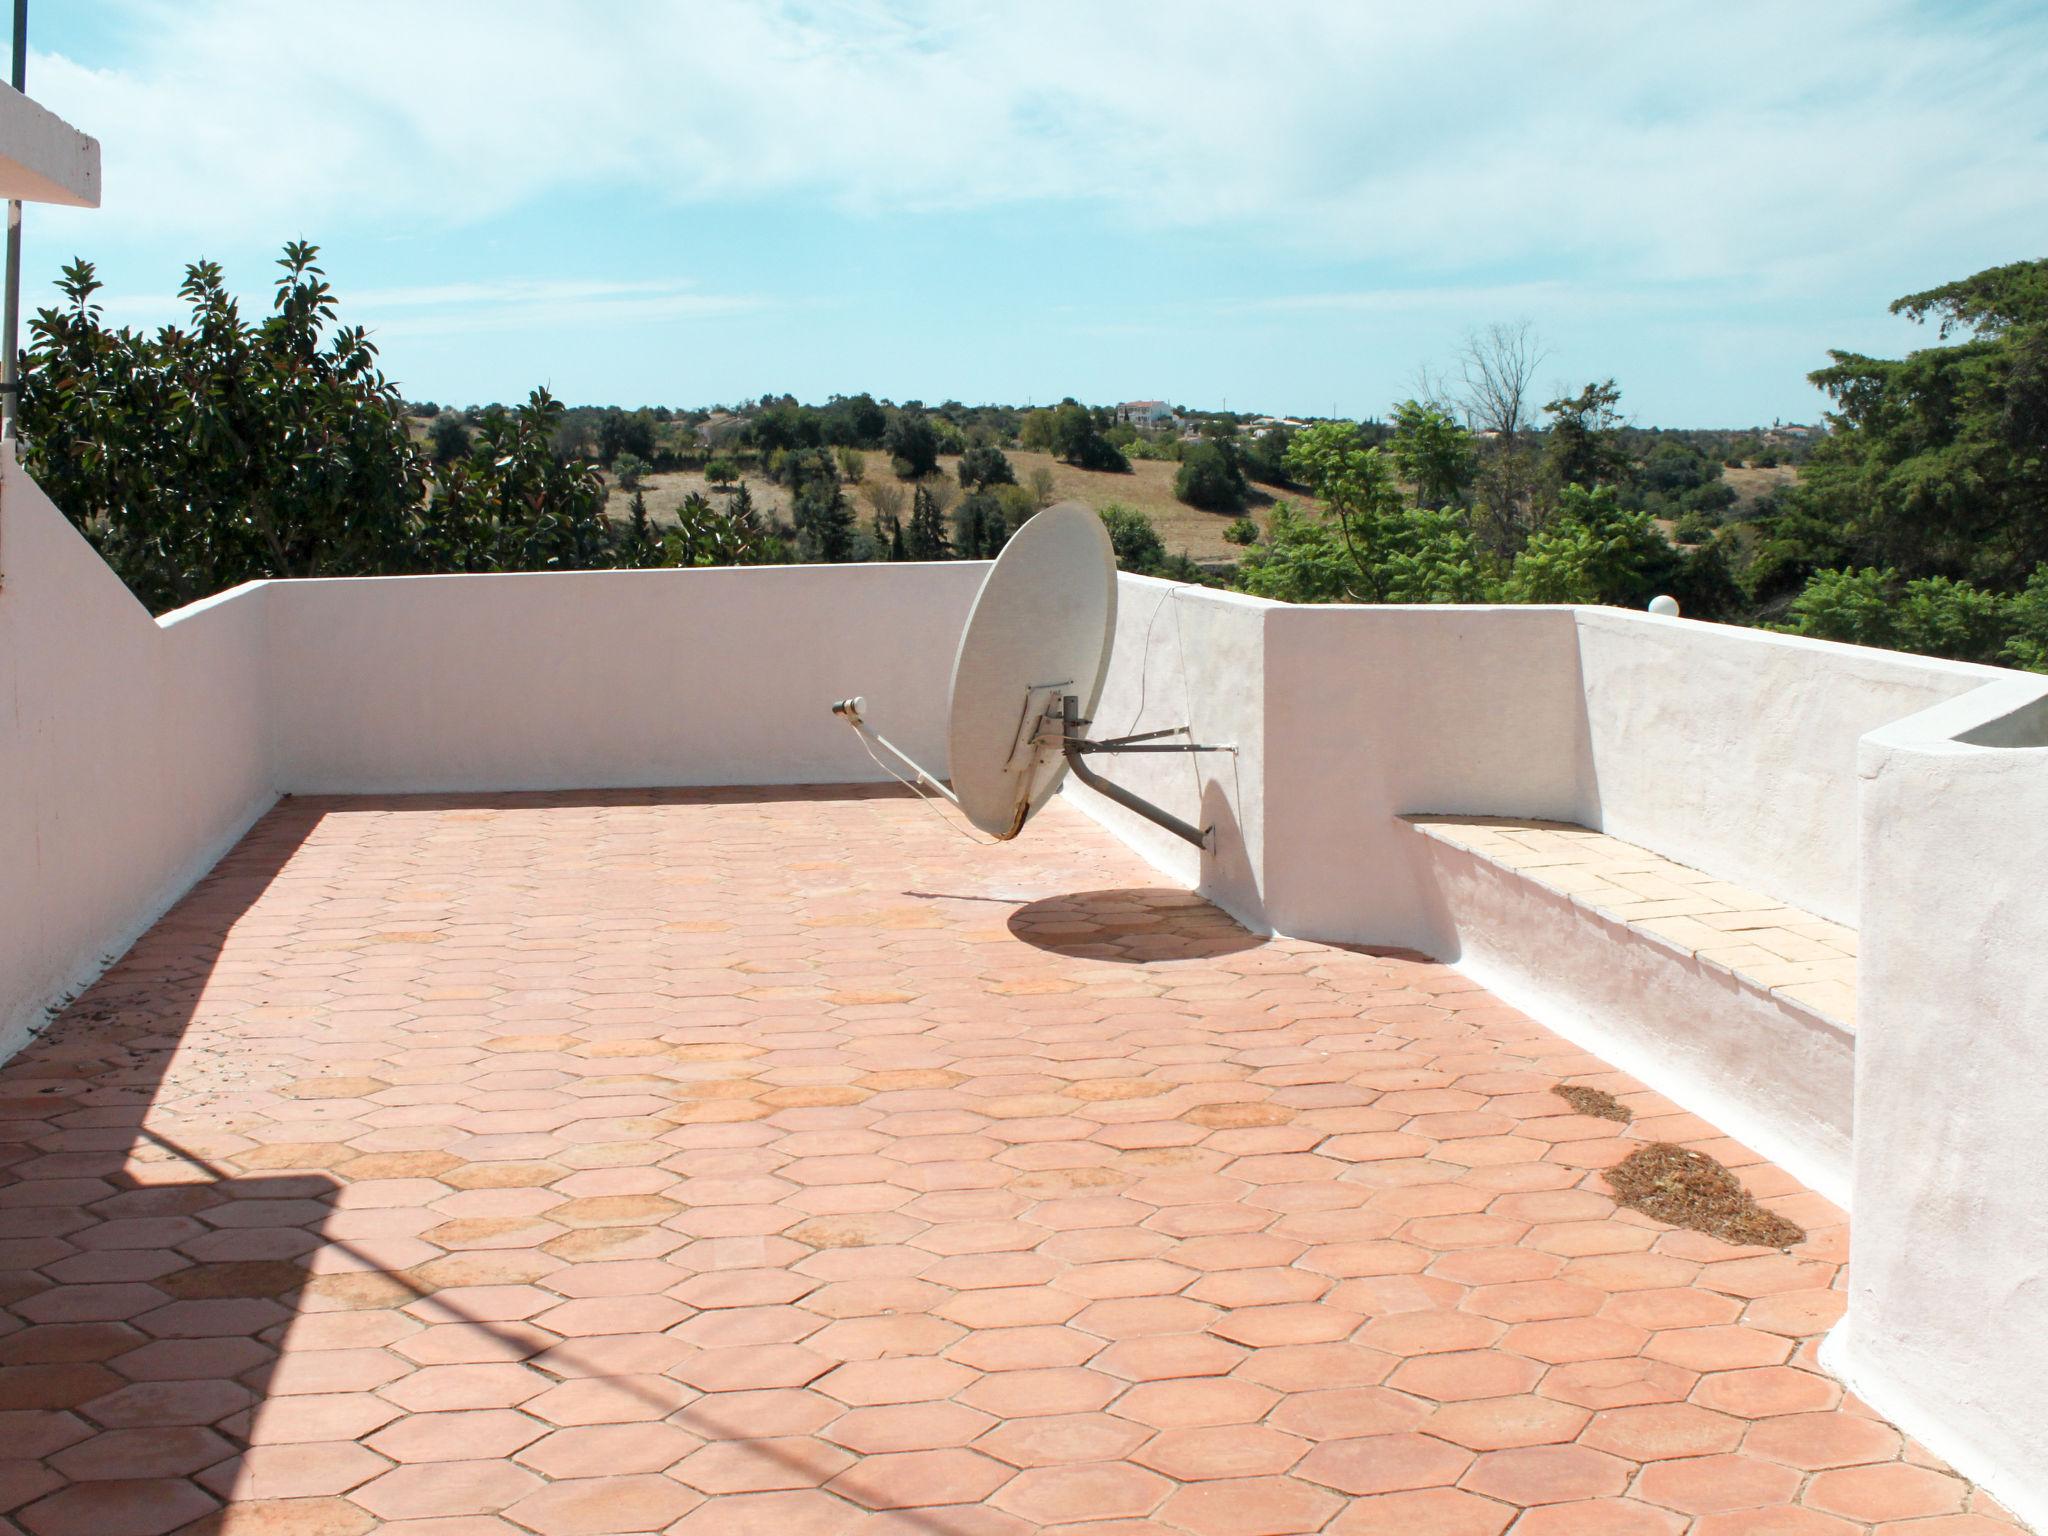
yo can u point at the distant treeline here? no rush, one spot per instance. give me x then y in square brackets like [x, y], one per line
[229, 449]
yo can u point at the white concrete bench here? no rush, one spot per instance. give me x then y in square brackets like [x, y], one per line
[1691, 982]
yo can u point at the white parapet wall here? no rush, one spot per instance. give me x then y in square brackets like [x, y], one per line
[133, 752]
[1947, 1329]
[1734, 750]
[606, 679]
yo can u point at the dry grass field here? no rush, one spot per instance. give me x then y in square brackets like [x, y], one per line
[1752, 485]
[1148, 487]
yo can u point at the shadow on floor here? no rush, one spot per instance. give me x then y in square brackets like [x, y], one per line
[1136, 925]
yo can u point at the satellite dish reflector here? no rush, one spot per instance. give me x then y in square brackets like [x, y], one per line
[1039, 630]
[1027, 678]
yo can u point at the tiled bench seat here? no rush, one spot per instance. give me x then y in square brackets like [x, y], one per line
[1731, 998]
[1778, 949]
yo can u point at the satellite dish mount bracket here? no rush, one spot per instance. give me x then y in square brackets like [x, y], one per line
[1074, 742]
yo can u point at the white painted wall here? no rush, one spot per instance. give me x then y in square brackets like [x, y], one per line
[1188, 656]
[599, 679]
[1375, 712]
[1947, 1329]
[133, 752]
[1734, 750]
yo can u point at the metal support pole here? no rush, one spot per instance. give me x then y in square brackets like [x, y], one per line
[10, 322]
[1074, 745]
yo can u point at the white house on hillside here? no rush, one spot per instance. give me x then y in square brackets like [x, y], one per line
[1149, 414]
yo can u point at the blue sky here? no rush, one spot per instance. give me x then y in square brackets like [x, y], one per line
[1288, 206]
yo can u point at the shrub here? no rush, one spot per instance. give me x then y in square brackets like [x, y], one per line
[1136, 542]
[1243, 531]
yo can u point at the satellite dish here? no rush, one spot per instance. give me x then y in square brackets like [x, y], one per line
[1027, 677]
[1040, 629]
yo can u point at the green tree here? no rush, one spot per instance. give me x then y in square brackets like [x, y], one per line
[980, 528]
[825, 525]
[913, 444]
[1592, 551]
[620, 432]
[1938, 464]
[721, 471]
[1583, 447]
[1077, 437]
[449, 438]
[926, 537]
[512, 505]
[1302, 561]
[638, 544]
[1357, 487]
[1209, 478]
[1266, 459]
[225, 450]
[982, 466]
[1432, 452]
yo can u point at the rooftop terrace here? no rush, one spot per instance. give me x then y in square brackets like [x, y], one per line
[613, 1160]
[735, 1161]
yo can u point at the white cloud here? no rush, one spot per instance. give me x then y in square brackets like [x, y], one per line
[1664, 143]
[453, 308]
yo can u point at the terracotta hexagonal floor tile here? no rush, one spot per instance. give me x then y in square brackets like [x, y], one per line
[1530, 1301]
[871, 1383]
[1815, 1442]
[1307, 1367]
[1222, 1451]
[1659, 1431]
[906, 1479]
[141, 1507]
[1192, 1404]
[1021, 1394]
[762, 1466]
[1423, 1512]
[446, 1488]
[1729, 1348]
[1101, 1490]
[1253, 1506]
[603, 1506]
[1605, 1517]
[778, 1514]
[1054, 1439]
[599, 1450]
[1454, 1378]
[1618, 1383]
[910, 1427]
[479, 1434]
[609, 1400]
[1166, 1356]
[1891, 1491]
[1503, 1423]
[1707, 1485]
[1547, 1474]
[1780, 1522]
[1766, 1392]
[1384, 1463]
